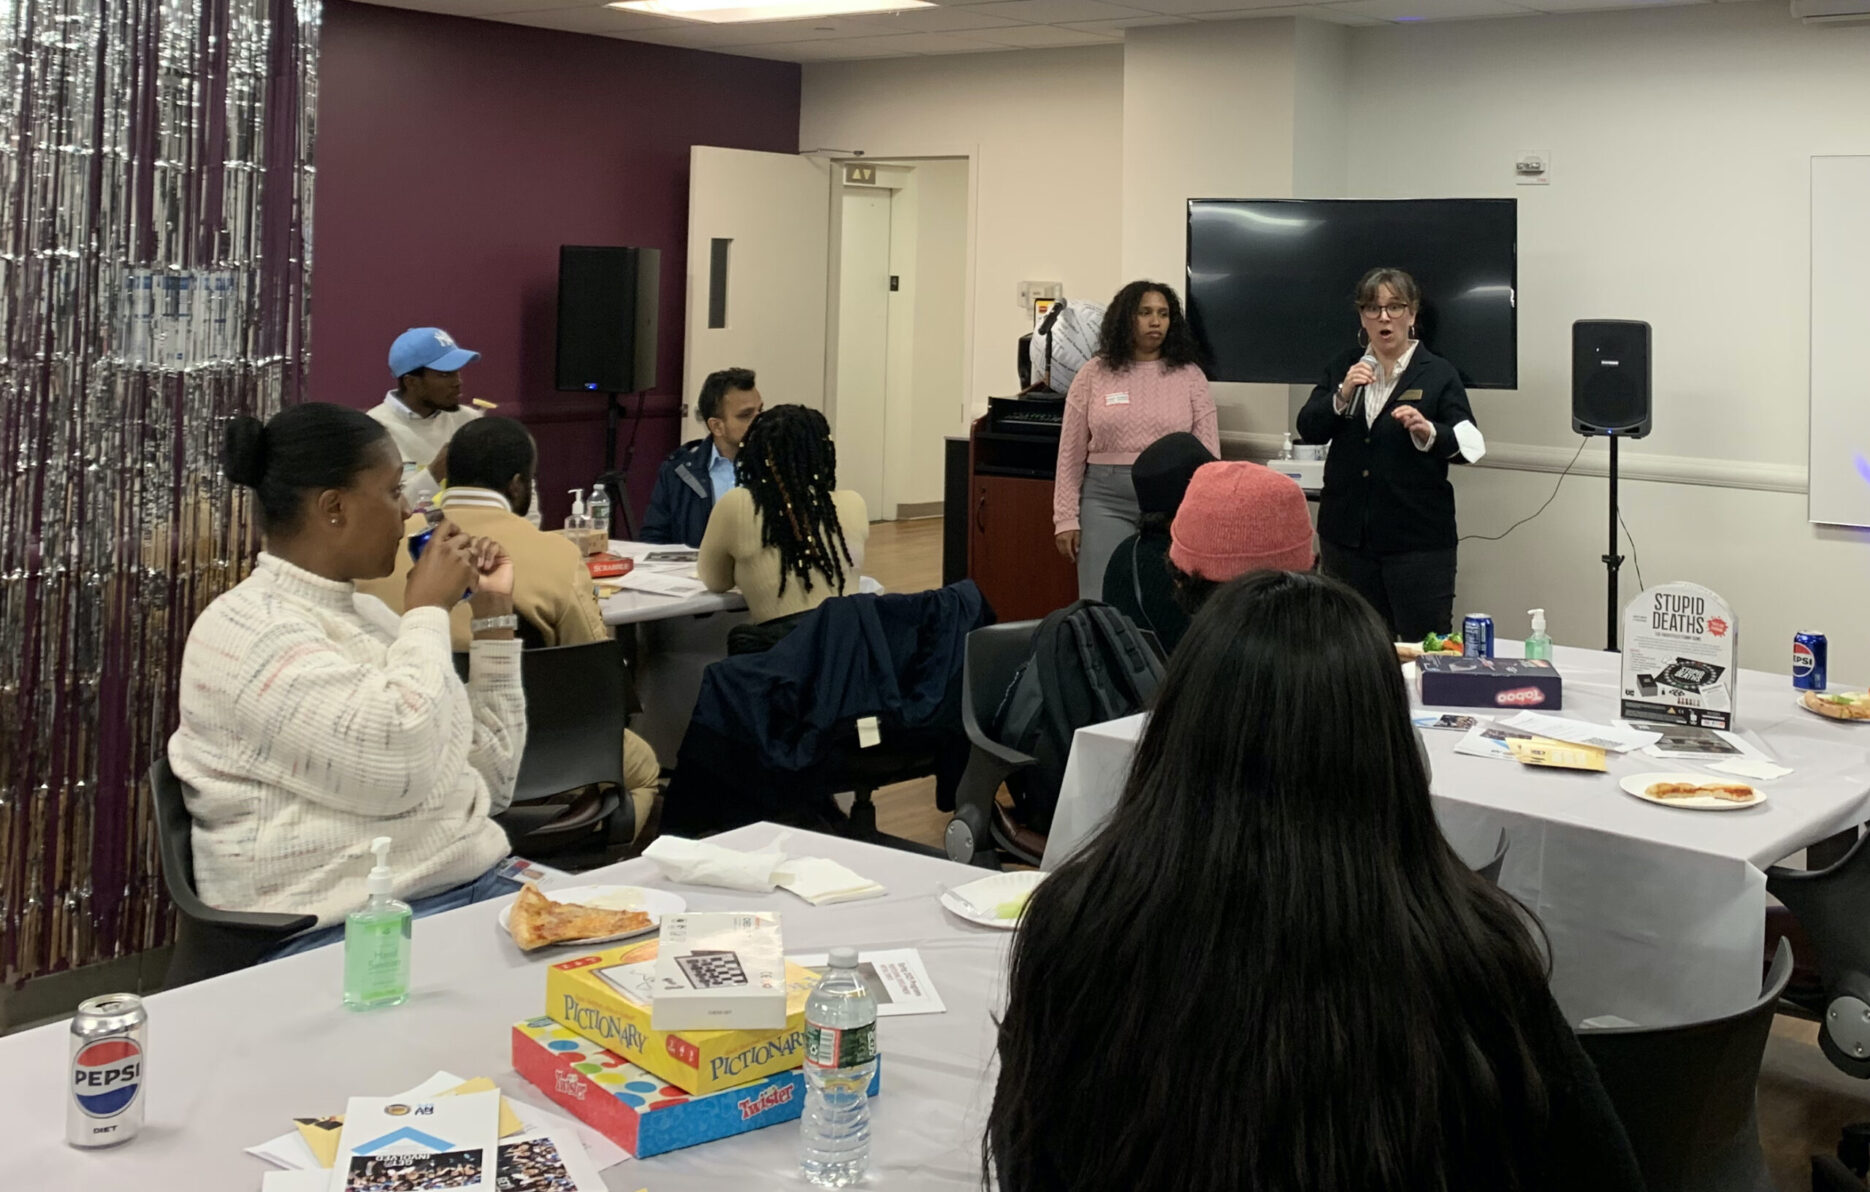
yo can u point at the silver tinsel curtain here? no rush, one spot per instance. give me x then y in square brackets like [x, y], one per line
[155, 253]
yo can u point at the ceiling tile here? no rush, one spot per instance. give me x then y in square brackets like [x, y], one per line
[1405, 11]
[1046, 37]
[1309, 12]
[1121, 23]
[899, 46]
[1059, 12]
[1199, 9]
[1588, 5]
[591, 19]
[924, 20]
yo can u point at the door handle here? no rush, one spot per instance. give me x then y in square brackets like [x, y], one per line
[980, 511]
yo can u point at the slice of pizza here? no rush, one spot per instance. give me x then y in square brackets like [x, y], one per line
[537, 921]
[1733, 792]
[1839, 705]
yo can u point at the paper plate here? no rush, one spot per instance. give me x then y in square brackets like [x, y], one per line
[655, 903]
[988, 893]
[1799, 699]
[1638, 784]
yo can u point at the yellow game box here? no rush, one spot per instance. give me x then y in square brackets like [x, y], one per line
[605, 997]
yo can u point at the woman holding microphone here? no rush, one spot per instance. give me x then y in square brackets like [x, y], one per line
[1396, 415]
[1145, 382]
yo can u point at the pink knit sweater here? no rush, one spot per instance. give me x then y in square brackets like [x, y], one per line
[1111, 416]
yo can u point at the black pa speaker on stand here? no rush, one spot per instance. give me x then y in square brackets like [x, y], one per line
[607, 306]
[1610, 391]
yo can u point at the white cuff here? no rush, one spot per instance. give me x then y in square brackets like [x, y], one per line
[1424, 444]
[1467, 437]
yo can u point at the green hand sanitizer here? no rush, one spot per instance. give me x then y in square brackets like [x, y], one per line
[1539, 645]
[376, 942]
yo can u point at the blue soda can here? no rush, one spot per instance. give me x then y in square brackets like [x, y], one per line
[419, 542]
[1477, 635]
[1808, 661]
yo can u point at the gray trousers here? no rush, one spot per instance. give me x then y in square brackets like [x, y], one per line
[1107, 514]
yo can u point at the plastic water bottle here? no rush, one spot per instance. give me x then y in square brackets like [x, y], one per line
[840, 1060]
[600, 511]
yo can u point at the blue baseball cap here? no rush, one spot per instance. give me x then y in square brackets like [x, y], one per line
[427, 347]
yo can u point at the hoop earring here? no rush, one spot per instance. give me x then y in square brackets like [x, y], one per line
[1363, 338]
[1412, 331]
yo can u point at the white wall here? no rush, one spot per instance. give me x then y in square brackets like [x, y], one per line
[940, 331]
[1681, 141]
[1045, 133]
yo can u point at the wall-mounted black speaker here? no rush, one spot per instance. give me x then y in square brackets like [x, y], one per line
[607, 302]
[1610, 378]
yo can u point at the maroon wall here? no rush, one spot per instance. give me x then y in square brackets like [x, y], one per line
[455, 156]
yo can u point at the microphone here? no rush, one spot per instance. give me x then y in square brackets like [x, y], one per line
[1369, 358]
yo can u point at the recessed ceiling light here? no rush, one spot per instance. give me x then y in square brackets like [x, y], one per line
[723, 12]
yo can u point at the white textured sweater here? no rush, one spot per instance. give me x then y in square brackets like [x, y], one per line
[312, 720]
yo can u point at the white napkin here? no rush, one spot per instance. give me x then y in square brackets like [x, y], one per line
[1752, 767]
[700, 863]
[821, 881]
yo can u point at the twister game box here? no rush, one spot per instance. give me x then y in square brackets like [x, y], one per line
[639, 1111]
[606, 998]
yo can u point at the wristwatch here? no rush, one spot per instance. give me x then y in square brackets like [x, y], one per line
[509, 621]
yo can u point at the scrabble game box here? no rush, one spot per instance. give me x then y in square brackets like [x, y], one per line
[587, 995]
[637, 1110]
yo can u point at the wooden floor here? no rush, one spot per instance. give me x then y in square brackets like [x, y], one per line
[1803, 1101]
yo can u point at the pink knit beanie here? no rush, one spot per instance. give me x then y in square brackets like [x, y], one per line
[1240, 517]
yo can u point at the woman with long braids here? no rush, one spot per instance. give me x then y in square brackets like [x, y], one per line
[1145, 382]
[787, 537]
[1269, 972]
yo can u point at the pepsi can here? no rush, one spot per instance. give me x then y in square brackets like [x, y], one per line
[104, 1105]
[1808, 661]
[1477, 635]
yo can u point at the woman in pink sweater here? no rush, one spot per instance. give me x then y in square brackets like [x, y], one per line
[1146, 382]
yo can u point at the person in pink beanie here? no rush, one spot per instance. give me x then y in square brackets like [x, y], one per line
[1237, 517]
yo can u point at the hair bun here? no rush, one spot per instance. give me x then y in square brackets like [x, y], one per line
[244, 451]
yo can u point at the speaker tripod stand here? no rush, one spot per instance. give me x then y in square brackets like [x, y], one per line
[616, 480]
[1613, 561]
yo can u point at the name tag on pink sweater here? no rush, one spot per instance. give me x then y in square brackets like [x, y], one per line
[1116, 399]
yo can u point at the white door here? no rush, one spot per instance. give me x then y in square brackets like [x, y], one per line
[758, 267]
[863, 344]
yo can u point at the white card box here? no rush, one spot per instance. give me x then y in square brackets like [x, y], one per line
[718, 971]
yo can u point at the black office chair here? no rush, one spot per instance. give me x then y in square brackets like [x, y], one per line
[1491, 870]
[208, 941]
[1832, 907]
[571, 786]
[979, 828]
[1685, 1094]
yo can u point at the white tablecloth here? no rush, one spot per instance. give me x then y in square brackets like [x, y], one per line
[1655, 914]
[232, 1060]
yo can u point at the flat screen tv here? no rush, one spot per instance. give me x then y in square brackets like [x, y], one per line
[1270, 282]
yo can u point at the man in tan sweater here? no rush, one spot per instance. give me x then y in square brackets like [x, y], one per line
[491, 462]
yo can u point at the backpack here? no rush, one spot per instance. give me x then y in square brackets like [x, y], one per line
[1088, 664]
[1066, 340]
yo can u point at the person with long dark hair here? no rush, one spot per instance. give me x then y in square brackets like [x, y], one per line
[1146, 382]
[1396, 415]
[314, 719]
[1269, 971]
[787, 537]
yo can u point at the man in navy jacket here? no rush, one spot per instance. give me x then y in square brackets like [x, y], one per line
[698, 474]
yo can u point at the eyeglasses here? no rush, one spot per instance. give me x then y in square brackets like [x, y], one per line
[1394, 310]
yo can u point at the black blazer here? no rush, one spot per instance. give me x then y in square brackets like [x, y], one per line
[1381, 493]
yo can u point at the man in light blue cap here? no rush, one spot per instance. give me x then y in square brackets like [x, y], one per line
[424, 410]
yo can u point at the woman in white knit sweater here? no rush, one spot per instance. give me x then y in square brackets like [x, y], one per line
[313, 719]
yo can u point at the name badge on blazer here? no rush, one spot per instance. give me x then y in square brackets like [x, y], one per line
[1412, 396]
[1116, 399]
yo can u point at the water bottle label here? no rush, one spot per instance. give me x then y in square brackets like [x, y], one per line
[829, 1047]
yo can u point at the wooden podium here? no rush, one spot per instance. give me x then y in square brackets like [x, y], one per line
[1012, 458]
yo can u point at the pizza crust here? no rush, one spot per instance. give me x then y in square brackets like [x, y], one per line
[1818, 703]
[1733, 792]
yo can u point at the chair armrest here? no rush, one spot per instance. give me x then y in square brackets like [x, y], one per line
[259, 922]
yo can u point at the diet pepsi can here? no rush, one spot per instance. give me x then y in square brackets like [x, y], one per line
[104, 1104]
[1808, 661]
[1477, 635]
